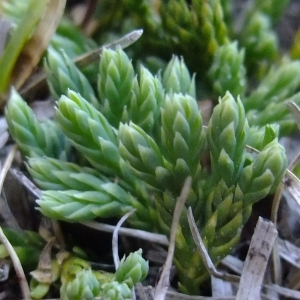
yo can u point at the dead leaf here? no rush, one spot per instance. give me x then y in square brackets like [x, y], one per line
[35, 47]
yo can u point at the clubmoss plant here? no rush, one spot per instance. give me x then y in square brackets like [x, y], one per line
[196, 29]
[88, 284]
[138, 144]
[27, 245]
[77, 280]
[237, 43]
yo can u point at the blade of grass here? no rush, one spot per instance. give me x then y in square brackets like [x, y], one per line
[35, 47]
[20, 36]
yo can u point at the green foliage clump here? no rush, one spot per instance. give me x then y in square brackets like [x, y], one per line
[34, 138]
[228, 72]
[237, 43]
[27, 245]
[147, 132]
[88, 284]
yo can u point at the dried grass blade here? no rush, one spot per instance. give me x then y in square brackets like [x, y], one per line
[39, 80]
[31, 187]
[140, 293]
[220, 288]
[162, 286]
[256, 261]
[7, 165]
[289, 252]
[254, 152]
[204, 254]
[141, 234]
[6, 213]
[286, 183]
[284, 291]
[115, 247]
[4, 136]
[295, 111]
[171, 295]
[294, 190]
[292, 184]
[35, 47]
[233, 263]
[17, 265]
[123, 42]
[5, 26]
[35, 10]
